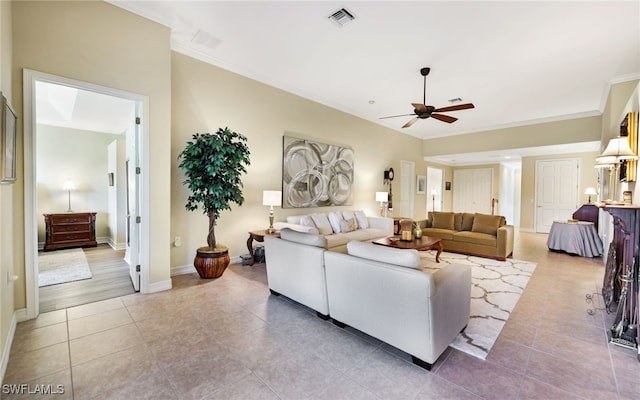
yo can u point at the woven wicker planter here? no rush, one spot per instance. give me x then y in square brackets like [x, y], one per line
[211, 263]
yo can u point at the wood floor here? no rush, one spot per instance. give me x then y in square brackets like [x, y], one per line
[110, 279]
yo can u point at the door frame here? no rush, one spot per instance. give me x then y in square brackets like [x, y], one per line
[29, 78]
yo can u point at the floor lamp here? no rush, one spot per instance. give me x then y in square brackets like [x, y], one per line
[433, 197]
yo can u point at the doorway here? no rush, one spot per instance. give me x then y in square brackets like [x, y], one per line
[73, 91]
[556, 191]
[473, 190]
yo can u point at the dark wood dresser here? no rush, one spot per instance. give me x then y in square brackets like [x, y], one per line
[67, 230]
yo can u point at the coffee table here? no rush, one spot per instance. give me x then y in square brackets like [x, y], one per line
[422, 244]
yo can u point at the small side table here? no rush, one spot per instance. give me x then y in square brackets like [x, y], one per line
[258, 236]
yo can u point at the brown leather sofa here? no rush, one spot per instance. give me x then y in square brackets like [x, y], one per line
[471, 233]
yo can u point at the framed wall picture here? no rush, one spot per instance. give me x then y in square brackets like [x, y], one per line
[8, 142]
[316, 174]
[421, 184]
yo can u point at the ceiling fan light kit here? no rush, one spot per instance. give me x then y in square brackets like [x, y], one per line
[423, 111]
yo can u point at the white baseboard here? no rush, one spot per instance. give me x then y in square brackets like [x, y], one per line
[159, 286]
[110, 242]
[182, 270]
[6, 350]
[21, 315]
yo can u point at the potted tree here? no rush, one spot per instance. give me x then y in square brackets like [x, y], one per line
[213, 163]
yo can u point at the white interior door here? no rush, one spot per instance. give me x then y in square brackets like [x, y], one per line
[556, 192]
[132, 252]
[407, 180]
[473, 190]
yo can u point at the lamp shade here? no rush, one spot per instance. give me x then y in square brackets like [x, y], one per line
[590, 191]
[619, 148]
[434, 192]
[382, 196]
[68, 185]
[271, 198]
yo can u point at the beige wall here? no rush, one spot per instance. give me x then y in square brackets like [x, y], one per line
[551, 133]
[84, 162]
[10, 225]
[101, 44]
[206, 98]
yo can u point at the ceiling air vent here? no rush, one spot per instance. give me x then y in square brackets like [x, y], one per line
[342, 17]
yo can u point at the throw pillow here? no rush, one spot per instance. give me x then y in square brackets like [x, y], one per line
[467, 221]
[306, 220]
[334, 220]
[363, 222]
[348, 225]
[402, 257]
[349, 215]
[322, 223]
[443, 220]
[484, 223]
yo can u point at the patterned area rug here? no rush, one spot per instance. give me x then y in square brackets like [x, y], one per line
[496, 287]
[62, 266]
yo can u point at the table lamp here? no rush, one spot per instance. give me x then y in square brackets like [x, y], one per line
[590, 192]
[616, 151]
[69, 186]
[271, 198]
[382, 197]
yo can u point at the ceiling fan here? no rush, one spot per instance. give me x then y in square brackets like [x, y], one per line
[423, 111]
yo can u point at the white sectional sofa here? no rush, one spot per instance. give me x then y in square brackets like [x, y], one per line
[383, 292]
[378, 290]
[340, 227]
[295, 268]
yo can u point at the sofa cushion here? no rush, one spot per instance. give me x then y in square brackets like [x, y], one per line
[457, 222]
[467, 222]
[322, 223]
[348, 225]
[446, 234]
[334, 220]
[374, 252]
[342, 238]
[484, 239]
[363, 221]
[443, 220]
[484, 223]
[306, 220]
[310, 239]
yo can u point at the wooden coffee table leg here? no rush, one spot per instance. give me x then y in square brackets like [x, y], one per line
[440, 247]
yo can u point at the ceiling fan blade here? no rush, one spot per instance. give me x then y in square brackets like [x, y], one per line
[444, 118]
[394, 116]
[408, 124]
[456, 108]
[420, 107]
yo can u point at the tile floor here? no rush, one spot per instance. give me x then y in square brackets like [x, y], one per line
[229, 339]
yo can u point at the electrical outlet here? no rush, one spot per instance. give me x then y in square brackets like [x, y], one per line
[177, 241]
